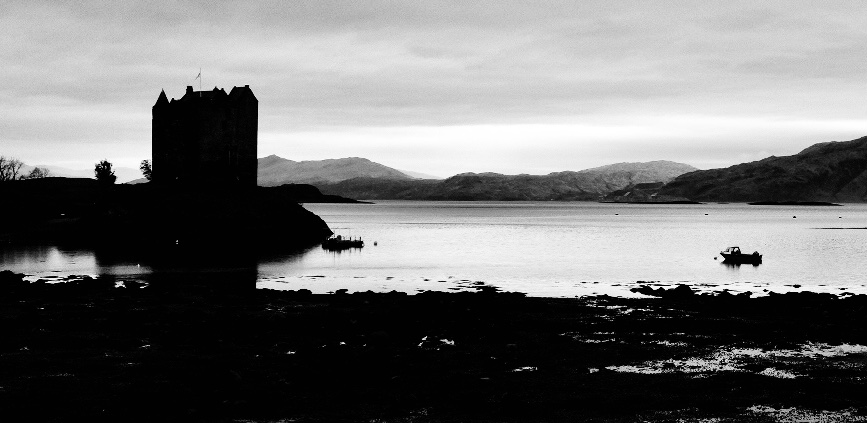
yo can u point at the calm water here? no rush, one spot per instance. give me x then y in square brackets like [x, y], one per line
[543, 249]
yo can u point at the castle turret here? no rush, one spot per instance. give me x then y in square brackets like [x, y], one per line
[162, 100]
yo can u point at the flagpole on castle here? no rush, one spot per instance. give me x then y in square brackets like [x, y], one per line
[199, 77]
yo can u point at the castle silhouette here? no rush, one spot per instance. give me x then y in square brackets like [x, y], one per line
[206, 138]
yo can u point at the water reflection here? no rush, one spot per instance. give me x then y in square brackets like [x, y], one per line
[164, 268]
[48, 259]
[347, 251]
[737, 266]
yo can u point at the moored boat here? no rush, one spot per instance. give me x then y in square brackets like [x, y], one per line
[734, 255]
[338, 242]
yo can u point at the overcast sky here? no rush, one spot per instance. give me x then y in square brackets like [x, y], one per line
[443, 87]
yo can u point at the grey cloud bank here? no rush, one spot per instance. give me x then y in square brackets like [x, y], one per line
[444, 87]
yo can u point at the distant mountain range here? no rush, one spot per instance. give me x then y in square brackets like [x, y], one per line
[831, 172]
[590, 184]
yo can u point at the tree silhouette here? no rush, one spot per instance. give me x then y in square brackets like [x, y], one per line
[146, 170]
[38, 173]
[9, 168]
[103, 172]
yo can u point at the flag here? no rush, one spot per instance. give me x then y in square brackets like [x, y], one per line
[199, 75]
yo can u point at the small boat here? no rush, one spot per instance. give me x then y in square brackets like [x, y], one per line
[734, 255]
[338, 242]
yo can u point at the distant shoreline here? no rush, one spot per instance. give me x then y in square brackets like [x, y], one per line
[793, 203]
[653, 202]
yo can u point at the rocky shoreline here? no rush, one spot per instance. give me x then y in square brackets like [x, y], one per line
[205, 350]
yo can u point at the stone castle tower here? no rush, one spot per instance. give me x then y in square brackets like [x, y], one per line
[206, 138]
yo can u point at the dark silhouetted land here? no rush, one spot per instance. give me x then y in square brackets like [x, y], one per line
[85, 212]
[191, 349]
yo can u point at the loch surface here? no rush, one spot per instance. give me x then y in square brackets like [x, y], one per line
[541, 248]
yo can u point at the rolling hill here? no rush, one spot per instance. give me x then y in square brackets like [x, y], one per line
[275, 171]
[824, 172]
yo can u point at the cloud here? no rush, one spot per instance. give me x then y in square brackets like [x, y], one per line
[703, 141]
[88, 72]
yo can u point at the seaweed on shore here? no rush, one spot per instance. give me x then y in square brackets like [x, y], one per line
[200, 348]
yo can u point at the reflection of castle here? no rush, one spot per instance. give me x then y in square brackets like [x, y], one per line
[206, 138]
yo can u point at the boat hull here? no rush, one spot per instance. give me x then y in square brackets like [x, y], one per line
[333, 245]
[742, 258]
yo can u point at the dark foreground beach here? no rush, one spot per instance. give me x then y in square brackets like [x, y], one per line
[205, 351]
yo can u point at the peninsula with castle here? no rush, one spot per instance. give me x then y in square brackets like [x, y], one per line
[202, 192]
